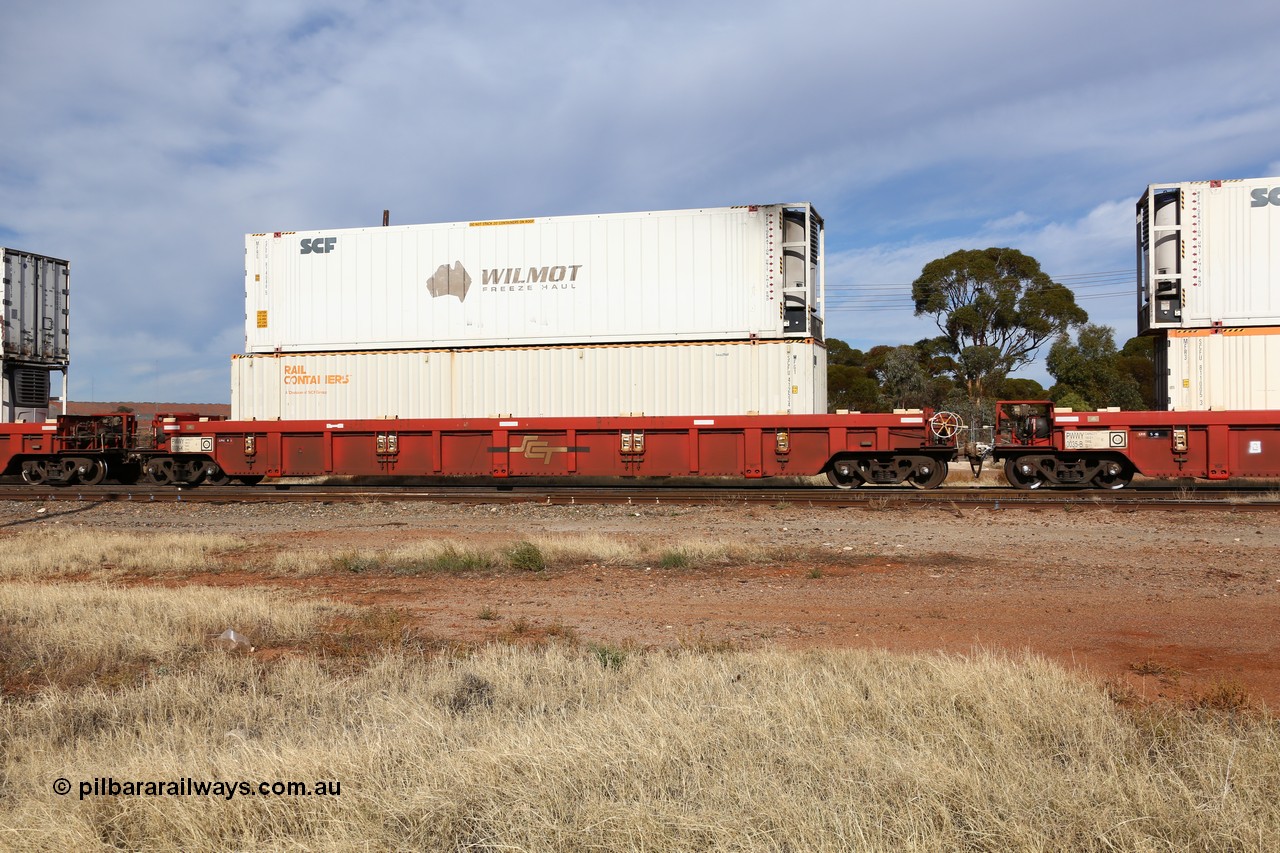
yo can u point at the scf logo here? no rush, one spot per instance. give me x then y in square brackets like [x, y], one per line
[1263, 197]
[318, 245]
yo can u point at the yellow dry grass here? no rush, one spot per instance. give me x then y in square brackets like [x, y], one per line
[565, 748]
[561, 551]
[53, 551]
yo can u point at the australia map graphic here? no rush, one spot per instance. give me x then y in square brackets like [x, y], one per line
[450, 281]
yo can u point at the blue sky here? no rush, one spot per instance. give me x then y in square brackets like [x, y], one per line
[143, 140]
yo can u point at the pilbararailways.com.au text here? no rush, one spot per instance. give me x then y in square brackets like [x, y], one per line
[109, 786]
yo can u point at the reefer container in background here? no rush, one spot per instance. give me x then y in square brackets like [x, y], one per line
[1237, 368]
[730, 378]
[35, 308]
[1209, 253]
[730, 273]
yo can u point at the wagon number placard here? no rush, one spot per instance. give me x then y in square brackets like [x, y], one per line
[1094, 439]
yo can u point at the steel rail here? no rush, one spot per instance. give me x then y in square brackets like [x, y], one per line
[947, 498]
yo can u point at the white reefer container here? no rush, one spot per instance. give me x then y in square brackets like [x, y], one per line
[36, 291]
[729, 273]
[1209, 253]
[26, 394]
[729, 378]
[1229, 368]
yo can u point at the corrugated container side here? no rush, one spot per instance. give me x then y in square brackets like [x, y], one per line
[693, 275]
[600, 381]
[1209, 253]
[36, 293]
[1237, 368]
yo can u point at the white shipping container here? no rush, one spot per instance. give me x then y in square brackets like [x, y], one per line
[36, 290]
[731, 378]
[730, 273]
[1237, 368]
[1209, 253]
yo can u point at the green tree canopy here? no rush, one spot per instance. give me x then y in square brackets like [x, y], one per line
[850, 384]
[1137, 358]
[839, 352]
[1091, 371]
[995, 309]
[903, 381]
[1018, 388]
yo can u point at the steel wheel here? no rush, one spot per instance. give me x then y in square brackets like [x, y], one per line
[848, 479]
[34, 473]
[159, 471]
[91, 471]
[928, 475]
[1022, 474]
[1114, 475]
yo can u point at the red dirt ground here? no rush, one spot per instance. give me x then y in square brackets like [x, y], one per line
[1183, 606]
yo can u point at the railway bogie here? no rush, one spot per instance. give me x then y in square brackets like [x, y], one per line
[921, 470]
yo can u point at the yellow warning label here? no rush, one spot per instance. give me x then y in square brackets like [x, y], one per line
[502, 222]
[262, 319]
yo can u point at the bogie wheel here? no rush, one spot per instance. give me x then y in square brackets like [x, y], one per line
[34, 473]
[928, 475]
[945, 425]
[215, 476]
[91, 472]
[251, 479]
[1114, 475]
[1022, 474]
[159, 471]
[849, 479]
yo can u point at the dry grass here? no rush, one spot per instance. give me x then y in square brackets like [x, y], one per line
[533, 553]
[547, 741]
[569, 747]
[54, 551]
[73, 634]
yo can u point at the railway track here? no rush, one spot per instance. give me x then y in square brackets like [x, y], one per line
[953, 498]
